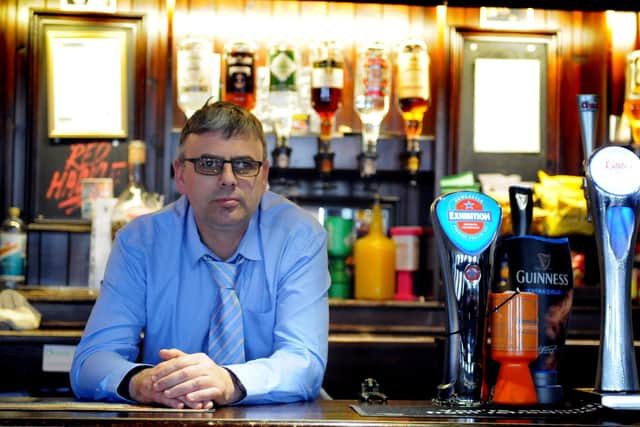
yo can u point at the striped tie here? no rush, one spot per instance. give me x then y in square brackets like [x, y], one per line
[226, 334]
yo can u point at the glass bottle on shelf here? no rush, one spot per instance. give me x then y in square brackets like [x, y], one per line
[13, 250]
[631, 108]
[240, 74]
[283, 97]
[327, 80]
[414, 96]
[196, 73]
[371, 97]
[135, 200]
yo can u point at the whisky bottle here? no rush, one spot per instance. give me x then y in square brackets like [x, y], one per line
[240, 74]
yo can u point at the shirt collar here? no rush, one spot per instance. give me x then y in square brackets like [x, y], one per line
[249, 246]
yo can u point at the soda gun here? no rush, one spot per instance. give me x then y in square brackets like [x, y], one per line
[466, 225]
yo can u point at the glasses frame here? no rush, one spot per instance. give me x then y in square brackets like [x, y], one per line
[195, 160]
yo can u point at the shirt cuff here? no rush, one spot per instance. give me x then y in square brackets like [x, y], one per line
[237, 383]
[123, 388]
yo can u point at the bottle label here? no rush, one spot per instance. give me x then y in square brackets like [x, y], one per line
[413, 75]
[375, 79]
[282, 69]
[13, 253]
[240, 73]
[327, 77]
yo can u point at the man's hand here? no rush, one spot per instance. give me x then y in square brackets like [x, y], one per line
[193, 379]
[141, 390]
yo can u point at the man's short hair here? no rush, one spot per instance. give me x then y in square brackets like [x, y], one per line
[227, 119]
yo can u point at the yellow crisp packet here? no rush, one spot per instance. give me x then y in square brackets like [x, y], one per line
[562, 198]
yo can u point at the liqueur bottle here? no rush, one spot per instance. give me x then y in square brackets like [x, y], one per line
[240, 74]
[372, 87]
[327, 80]
[13, 250]
[283, 97]
[413, 95]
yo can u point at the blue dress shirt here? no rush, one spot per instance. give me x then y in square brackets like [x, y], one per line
[157, 284]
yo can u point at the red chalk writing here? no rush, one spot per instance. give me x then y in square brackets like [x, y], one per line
[88, 160]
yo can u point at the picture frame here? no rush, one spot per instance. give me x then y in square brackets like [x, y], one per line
[88, 97]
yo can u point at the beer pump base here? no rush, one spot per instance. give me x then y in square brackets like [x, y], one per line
[624, 401]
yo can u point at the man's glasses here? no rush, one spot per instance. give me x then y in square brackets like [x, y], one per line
[209, 165]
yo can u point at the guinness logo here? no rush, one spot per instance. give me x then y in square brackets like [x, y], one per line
[522, 200]
[544, 260]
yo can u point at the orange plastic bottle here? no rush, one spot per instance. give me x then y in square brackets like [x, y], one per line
[375, 261]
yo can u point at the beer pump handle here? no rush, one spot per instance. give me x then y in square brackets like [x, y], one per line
[521, 203]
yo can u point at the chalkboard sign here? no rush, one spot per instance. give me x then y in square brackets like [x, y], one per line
[63, 166]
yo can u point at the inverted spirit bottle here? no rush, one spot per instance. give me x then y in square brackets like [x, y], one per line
[195, 70]
[327, 80]
[240, 74]
[413, 95]
[631, 108]
[283, 97]
[371, 87]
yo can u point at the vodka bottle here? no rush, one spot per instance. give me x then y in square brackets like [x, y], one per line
[13, 250]
[372, 87]
[283, 95]
[240, 74]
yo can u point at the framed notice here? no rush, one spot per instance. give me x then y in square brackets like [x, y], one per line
[87, 85]
[87, 82]
[506, 113]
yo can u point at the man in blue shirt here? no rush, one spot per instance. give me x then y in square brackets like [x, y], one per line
[158, 294]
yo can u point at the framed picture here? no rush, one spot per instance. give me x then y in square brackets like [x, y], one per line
[87, 82]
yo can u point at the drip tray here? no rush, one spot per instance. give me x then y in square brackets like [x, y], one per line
[490, 411]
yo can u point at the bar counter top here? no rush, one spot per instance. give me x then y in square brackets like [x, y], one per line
[320, 413]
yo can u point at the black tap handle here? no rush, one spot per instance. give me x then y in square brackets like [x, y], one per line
[521, 202]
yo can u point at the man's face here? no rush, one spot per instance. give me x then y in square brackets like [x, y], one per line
[223, 202]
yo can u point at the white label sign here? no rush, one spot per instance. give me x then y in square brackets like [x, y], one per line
[57, 358]
[616, 170]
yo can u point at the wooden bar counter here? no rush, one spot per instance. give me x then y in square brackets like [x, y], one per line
[320, 413]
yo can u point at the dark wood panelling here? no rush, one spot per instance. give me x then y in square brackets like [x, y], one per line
[54, 259]
[79, 250]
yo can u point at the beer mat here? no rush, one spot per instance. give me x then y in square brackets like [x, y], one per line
[63, 404]
[433, 411]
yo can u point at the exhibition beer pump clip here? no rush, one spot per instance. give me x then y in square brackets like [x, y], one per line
[612, 175]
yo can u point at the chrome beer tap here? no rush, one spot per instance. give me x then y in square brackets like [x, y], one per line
[613, 183]
[612, 190]
[466, 225]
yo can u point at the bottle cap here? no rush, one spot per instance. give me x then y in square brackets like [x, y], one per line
[406, 230]
[14, 211]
